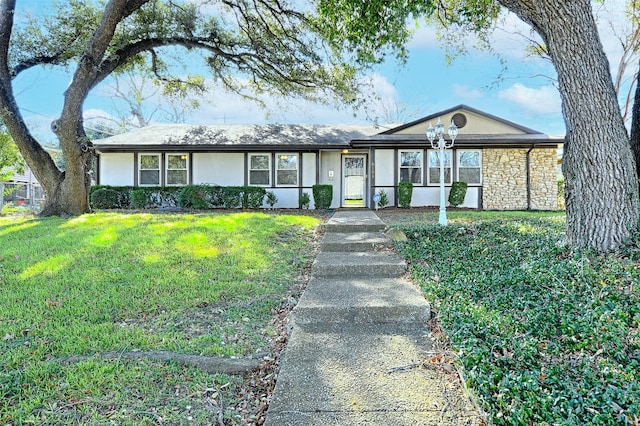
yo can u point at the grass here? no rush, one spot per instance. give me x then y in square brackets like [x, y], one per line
[193, 284]
[544, 335]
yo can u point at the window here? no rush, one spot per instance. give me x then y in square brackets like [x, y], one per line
[260, 169]
[411, 167]
[149, 169]
[177, 169]
[287, 169]
[469, 166]
[434, 167]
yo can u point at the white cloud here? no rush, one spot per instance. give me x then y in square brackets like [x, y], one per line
[466, 92]
[424, 37]
[542, 100]
[381, 86]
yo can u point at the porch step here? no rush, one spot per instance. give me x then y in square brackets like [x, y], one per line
[343, 221]
[355, 241]
[358, 264]
[341, 302]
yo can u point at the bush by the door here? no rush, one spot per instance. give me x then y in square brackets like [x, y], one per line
[322, 196]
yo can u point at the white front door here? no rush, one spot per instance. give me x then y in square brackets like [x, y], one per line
[354, 172]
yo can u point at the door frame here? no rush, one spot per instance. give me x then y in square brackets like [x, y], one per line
[365, 180]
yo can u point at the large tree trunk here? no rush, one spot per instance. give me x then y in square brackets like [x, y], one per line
[69, 195]
[598, 165]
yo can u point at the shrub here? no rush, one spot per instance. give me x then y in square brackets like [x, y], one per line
[405, 192]
[253, 197]
[384, 199]
[457, 193]
[194, 197]
[215, 195]
[322, 196]
[139, 199]
[145, 197]
[231, 197]
[304, 201]
[272, 199]
[106, 198]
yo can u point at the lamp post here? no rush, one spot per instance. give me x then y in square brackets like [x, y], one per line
[436, 138]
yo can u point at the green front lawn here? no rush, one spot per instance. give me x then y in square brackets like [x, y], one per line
[191, 284]
[545, 335]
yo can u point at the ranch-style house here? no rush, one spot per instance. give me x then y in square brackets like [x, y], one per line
[506, 166]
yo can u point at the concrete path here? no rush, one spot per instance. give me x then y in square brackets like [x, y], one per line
[358, 345]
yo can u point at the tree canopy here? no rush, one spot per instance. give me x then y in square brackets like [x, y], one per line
[248, 46]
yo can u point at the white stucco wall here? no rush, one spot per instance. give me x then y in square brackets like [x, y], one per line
[287, 198]
[116, 169]
[331, 160]
[309, 169]
[385, 171]
[218, 168]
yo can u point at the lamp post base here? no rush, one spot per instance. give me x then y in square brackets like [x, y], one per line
[443, 218]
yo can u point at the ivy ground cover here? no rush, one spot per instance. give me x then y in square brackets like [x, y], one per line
[544, 335]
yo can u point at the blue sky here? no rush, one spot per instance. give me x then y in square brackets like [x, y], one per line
[523, 93]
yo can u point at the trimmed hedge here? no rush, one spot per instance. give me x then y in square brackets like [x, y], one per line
[322, 196]
[106, 198]
[134, 197]
[189, 197]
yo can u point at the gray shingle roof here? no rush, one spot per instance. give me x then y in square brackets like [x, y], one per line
[238, 136]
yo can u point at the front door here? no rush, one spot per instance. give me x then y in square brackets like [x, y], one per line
[354, 172]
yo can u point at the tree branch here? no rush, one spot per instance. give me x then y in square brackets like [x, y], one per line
[30, 149]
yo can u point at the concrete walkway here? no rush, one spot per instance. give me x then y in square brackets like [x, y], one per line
[358, 344]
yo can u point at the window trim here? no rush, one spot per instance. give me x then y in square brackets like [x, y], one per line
[277, 169]
[268, 169]
[140, 169]
[421, 167]
[479, 167]
[450, 167]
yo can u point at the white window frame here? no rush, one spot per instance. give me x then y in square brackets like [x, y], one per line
[140, 169]
[436, 152]
[167, 169]
[297, 169]
[269, 168]
[479, 167]
[421, 166]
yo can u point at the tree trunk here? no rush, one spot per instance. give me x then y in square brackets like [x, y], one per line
[600, 175]
[68, 195]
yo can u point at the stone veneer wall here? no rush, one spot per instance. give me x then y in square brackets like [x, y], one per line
[544, 179]
[504, 179]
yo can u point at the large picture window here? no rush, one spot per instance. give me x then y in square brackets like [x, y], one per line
[149, 169]
[434, 167]
[260, 169]
[177, 169]
[287, 169]
[470, 166]
[411, 167]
